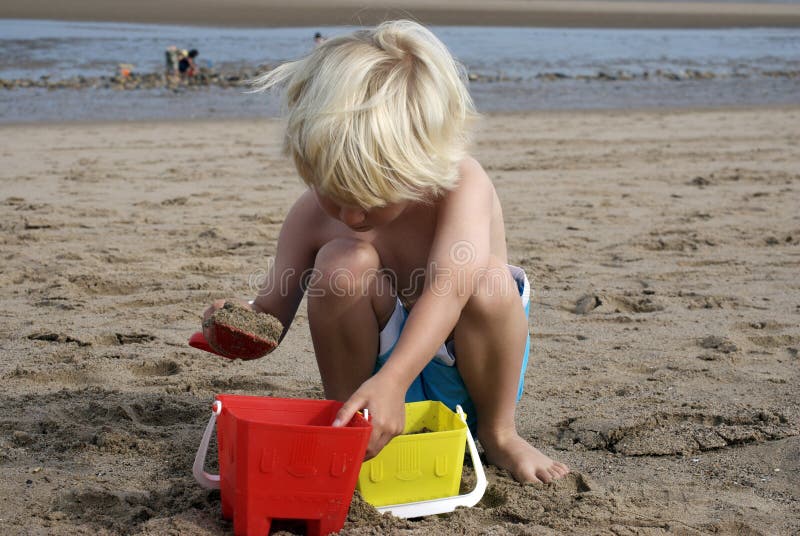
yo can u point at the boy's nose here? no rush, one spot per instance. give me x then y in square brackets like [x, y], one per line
[352, 216]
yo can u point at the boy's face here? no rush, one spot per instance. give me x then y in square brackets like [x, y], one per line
[359, 219]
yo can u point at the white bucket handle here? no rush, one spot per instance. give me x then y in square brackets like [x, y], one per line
[447, 504]
[206, 480]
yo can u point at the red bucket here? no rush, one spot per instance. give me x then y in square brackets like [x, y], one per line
[281, 459]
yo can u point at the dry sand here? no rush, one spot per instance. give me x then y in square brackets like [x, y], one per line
[565, 13]
[664, 248]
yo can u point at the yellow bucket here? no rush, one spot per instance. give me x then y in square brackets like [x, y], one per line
[422, 464]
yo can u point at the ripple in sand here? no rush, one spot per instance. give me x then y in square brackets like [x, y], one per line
[669, 433]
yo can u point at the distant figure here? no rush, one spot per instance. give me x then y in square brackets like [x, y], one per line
[187, 66]
[318, 39]
[172, 57]
[124, 70]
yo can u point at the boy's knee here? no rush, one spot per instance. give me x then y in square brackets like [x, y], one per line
[343, 264]
[494, 291]
[348, 253]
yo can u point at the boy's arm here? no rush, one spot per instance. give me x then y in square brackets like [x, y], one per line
[282, 288]
[460, 250]
[458, 257]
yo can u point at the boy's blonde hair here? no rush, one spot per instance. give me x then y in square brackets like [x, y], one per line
[377, 116]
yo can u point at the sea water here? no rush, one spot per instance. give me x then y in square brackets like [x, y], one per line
[512, 68]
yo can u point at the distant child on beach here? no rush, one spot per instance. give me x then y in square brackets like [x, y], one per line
[187, 65]
[399, 242]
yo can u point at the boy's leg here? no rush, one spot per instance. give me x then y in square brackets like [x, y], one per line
[349, 300]
[489, 345]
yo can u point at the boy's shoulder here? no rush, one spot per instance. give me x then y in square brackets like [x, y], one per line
[472, 175]
[306, 210]
[472, 182]
[469, 165]
[308, 218]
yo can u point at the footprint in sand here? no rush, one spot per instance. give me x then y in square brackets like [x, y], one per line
[609, 303]
[158, 368]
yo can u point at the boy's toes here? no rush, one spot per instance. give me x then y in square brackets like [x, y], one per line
[544, 476]
[554, 474]
[527, 476]
[558, 470]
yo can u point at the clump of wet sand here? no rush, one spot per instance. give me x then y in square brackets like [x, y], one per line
[262, 326]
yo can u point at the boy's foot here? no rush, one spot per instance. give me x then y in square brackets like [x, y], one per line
[522, 460]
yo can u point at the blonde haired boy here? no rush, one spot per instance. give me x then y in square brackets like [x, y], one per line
[400, 242]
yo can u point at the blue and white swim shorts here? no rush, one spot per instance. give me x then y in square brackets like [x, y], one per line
[440, 379]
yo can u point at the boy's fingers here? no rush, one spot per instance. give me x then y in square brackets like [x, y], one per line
[208, 333]
[346, 412]
[376, 444]
[218, 304]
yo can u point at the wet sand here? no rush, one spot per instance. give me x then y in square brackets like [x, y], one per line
[549, 13]
[663, 248]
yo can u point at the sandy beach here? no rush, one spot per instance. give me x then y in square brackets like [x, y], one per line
[544, 13]
[663, 250]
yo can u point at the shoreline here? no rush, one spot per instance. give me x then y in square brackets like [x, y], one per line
[274, 120]
[275, 13]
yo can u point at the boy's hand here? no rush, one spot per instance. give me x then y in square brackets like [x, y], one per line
[208, 333]
[385, 400]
